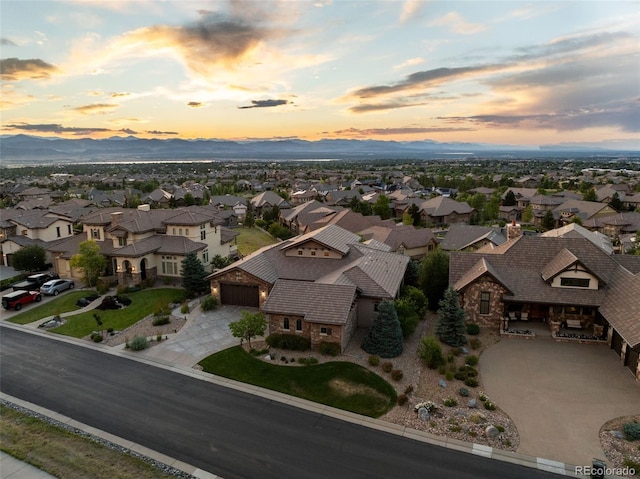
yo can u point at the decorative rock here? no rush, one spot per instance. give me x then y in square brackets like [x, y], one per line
[617, 434]
[442, 383]
[423, 414]
[491, 432]
[268, 357]
[465, 350]
[473, 403]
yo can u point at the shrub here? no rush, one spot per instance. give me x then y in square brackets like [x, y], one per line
[184, 309]
[451, 358]
[449, 376]
[483, 397]
[96, 337]
[288, 341]
[471, 382]
[450, 402]
[374, 360]
[500, 428]
[209, 303]
[402, 399]
[138, 343]
[329, 348]
[473, 329]
[159, 337]
[408, 390]
[489, 405]
[442, 369]
[109, 330]
[455, 429]
[430, 352]
[471, 360]
[102, 287]
[465, 372]
[387, 367]
[108, 302]
[160, 320]
[283, 359]
[397, 374]
[632, 431]
[464, 392]
[308, 361]
[456, 351]
[475, 343]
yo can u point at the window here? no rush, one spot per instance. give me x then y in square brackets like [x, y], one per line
[68, 229]
[122, 241]
[298, 325]
[326, 253]
[169, 267]
[313, 253]
[575, 282]
[95, 234]
[299, 252]
[485, 299]
[375, 306]
[571, 310]
[205, 256]
[180, 231]
[285, 324]
[174, 231]
[203, 233]
[186, 232]
[325, 331]
[58, 231]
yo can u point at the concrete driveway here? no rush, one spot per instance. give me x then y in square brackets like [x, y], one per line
[559, 394]
[205, 333]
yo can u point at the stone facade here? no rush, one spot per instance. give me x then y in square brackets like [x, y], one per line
[238, 276]
[470, 299]
[316, 332]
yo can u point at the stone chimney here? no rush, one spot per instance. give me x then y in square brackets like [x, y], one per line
[513, 230]
[116, 217]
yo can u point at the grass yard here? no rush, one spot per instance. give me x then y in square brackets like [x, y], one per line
[342, 385]
[143, 303]
[62, 304]
[252, 239]
[64, 454]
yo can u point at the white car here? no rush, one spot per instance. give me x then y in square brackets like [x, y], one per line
[56, 286]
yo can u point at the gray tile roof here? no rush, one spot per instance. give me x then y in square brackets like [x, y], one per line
[444, 206]
[316, 302]
[621, 306]
[461, 236]
[557, 265]
[331, 236]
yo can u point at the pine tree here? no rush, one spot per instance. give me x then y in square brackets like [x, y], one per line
[193, 275]
[433, 276]
[385, 334]
[451, 327]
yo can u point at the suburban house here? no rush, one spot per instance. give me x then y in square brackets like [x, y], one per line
[567, 283]
[143, 243]
[443, 210]
[415, 243]
[584, 210]
[321, 285]
[267, 200]
[463, 237]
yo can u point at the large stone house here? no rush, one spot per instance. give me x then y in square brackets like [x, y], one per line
[442, 210]
[144, 244]
[321, 285]
[563, 282]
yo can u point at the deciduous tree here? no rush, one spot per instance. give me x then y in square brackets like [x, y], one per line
[248, 326]
[434, 276]
[90, 261]
[29, 258]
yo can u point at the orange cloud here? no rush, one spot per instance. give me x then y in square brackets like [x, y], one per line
[14, 69]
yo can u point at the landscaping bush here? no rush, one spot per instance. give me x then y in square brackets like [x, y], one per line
[288, 341]
[450, 402]
[308, 361]
[489, 405]
[449, 376]
[430, 352]
[96, 337]
[465, 372]
[397, 374]
[184, 309]
[387, 367]
[160, 320]
[473, 329]
[408, 390]
[102, 287]
[209, 303]
[471, 360]
[464, 392]
[329, 348]
[471, 382]
[632, 431]
[374, 360]
[108, 302]
[402, 399]
[442, 369]
[499, 428]
[475, 343]
[138, 343]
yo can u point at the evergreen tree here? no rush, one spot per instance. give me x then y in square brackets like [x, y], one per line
[509, 199]
[414, 211]
[434, 276]
[382, 207]
[29, 258]
[616, 202]
[385, 334]
[590, 195]
[451, 326]
[193, 275]
[548, 221]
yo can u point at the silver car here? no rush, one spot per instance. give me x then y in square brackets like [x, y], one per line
[56, 286]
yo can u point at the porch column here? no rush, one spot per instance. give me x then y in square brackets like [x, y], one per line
[638, 371]
[623, 351]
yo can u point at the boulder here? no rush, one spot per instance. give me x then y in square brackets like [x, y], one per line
[442, 383]
[473, 403]
[617, 434]
[491, 431]
[423, 414]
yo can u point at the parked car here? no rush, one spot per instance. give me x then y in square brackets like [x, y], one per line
[16, 299]
[34, 281]
[56, 286]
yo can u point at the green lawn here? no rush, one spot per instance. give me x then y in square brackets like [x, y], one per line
[143, 303]
[252, 239]
[62, 304]
[342, 385]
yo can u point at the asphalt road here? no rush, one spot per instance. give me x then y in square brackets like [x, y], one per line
[220, 430]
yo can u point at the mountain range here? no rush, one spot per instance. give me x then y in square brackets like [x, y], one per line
[26, 149]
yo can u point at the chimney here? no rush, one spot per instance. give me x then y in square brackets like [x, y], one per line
[513, 230]
[144, 207]
[116, 217]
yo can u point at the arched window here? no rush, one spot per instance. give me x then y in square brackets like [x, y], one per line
[285, 324]
[298, 325]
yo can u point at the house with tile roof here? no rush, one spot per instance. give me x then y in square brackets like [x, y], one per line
[463, 237]
[142, 243]
[321, 285]
[443, 210]
[560, 281]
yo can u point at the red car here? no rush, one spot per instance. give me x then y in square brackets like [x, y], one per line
[16, 299]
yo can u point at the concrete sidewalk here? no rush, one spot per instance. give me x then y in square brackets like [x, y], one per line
[12, 468]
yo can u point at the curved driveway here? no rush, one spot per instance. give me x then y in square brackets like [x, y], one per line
[559, 394]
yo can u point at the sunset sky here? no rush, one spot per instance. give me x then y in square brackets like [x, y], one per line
[520, 73]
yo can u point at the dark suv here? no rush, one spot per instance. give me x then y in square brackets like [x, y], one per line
[33, 282]
[16, 299]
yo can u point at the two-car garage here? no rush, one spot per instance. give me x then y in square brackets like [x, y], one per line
[240, 294]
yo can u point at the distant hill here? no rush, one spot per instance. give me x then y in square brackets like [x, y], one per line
[26, 149]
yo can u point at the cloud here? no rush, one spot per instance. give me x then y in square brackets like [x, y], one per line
[14, 69]
[357, 132]
[409, 63]
[158, 132]
[99, 108]
[410, 9]
[119, 94]
[55, 128]
[195, 104]
[6, 42]
[394, 105]
[264, 104]
[128, 131]
[457, 24]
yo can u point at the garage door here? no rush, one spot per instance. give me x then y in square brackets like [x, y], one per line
[240, 295]
[616, 342]
[631, 359]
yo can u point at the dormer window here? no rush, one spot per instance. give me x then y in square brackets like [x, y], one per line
[575, 282]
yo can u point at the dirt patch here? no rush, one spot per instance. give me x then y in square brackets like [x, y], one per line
[346, 388]
[619, 451]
